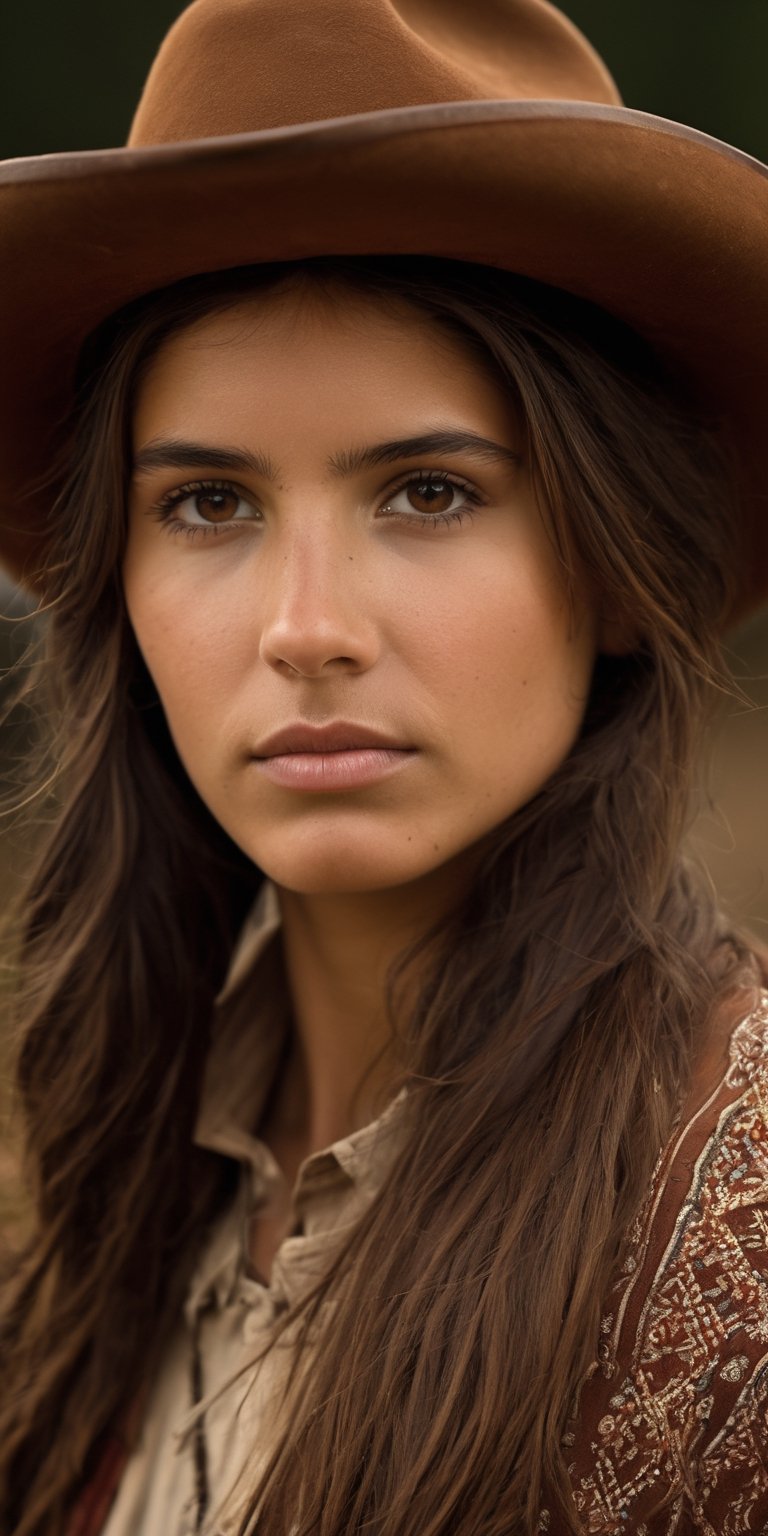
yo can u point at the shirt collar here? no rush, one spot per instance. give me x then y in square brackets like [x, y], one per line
[247, 1046]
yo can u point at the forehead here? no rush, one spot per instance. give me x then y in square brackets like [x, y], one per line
[337, 357]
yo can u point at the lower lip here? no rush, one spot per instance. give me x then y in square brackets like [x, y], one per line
[326, 771]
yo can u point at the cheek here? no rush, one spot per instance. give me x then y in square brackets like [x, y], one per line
[186, 643]
[505, 624]
[518, 670]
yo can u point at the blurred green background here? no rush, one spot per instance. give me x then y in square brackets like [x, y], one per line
[72, 73]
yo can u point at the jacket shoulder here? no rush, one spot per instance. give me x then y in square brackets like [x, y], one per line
[675, 1411]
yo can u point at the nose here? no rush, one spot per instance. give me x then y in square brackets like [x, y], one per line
[317, 610]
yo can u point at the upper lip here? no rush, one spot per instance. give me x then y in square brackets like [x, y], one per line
[338, 736]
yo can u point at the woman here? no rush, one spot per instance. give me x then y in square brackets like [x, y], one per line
[394, 1090]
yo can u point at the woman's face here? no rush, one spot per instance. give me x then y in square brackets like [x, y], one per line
[331, 521]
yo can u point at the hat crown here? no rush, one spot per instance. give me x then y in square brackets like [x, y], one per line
[243, 66]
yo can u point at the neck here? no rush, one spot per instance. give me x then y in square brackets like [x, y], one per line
[337, 950]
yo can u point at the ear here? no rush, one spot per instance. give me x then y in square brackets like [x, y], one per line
[617, 634]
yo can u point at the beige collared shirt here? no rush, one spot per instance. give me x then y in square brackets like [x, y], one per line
[229, 1312]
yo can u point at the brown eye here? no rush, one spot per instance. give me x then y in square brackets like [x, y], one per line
[203, 504]
[216, 506]
[432, 500]
[431, 495]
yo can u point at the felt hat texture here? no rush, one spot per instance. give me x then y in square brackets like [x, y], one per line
[488, 131]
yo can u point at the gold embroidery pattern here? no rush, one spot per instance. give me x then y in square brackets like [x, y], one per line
[671, 1434]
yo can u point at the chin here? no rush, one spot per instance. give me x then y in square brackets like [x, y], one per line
[329, 865]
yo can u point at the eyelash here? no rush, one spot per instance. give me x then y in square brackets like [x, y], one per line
[163, 509]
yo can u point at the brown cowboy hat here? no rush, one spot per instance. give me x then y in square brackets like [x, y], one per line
[490, 132]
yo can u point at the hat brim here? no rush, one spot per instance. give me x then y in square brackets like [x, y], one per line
[663, 226]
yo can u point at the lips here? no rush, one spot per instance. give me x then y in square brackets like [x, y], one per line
[339, 736]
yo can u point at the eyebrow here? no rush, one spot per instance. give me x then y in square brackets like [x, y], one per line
[174, 453]
[445, 441]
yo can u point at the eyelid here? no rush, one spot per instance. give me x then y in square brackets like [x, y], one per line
[452, 476]
[202, 483]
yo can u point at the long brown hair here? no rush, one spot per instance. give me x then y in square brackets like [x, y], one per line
[583, 967]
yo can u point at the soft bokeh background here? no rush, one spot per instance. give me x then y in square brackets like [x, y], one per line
[71, 75]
